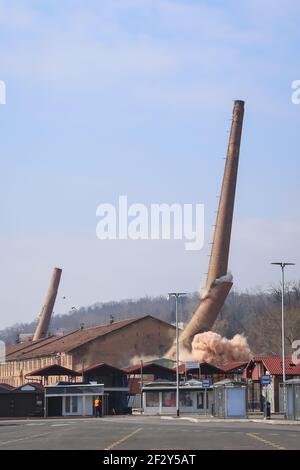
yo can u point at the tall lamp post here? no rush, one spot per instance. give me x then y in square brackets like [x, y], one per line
[282, 266]
[177, 295]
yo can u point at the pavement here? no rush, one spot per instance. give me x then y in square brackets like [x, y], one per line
[147, 433]
[251, 419]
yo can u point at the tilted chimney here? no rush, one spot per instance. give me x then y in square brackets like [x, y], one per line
[217, 288]
[47, 309]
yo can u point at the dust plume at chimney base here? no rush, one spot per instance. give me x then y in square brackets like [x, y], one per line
[212, 348]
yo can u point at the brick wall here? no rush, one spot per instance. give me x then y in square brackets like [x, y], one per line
[147, 337]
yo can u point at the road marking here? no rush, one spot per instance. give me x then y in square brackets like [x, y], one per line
[23, 439]
[35, 424]
[272, 444]
[192, 420]
[125, 438]
[61, 424]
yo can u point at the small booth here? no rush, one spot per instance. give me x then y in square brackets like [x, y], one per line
[73, 399]
[230, 399]
[159, 397]
[293, 398]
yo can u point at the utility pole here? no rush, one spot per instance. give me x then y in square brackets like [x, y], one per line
[282, 266]
[142, 385]
[177, 295]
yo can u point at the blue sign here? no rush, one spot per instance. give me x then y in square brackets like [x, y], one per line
[206, 383]
[265, 379]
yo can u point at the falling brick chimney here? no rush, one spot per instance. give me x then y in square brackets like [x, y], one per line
[47, 309]
[219, 282]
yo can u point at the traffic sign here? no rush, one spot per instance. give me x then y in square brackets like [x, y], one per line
[206, 383]
[265, 379]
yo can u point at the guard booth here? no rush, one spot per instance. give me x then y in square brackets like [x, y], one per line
[293, 398]
[230, 399]
[73, 399]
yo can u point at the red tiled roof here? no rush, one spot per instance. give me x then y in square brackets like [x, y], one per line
[54, 344]
[11, 348]
[273, 364]
[18, 350]
[231, 366]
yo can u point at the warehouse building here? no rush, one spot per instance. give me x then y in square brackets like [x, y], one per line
[115, 344]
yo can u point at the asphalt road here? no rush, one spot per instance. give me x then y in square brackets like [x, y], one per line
[149, 433]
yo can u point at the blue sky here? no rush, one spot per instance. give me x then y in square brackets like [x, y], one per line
[135, 97]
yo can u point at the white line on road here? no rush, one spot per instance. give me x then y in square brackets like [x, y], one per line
[192, 420]
[269, 443]
[23, 439]
[125, 438]
[61, 424]
[35, 424]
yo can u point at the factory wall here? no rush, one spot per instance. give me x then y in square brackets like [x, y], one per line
[149, 337]
[146, 337]
[13, 372]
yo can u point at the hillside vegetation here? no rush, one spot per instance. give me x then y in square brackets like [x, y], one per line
[257, 314]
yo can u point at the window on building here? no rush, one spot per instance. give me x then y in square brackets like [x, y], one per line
[74, 404]
[169, 399]
[185, 398]
[71, 404]
[152, 399]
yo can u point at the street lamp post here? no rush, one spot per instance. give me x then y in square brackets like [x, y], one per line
[142, 385]
[282, 266]
[177, 295]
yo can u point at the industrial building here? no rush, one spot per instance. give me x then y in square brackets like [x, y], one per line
[114, 344]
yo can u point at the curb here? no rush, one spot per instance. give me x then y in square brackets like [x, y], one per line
[246, 420]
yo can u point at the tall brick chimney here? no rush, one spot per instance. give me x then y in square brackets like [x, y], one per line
[47, 309]
[217, 288]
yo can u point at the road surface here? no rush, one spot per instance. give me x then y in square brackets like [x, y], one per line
[149, 433]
